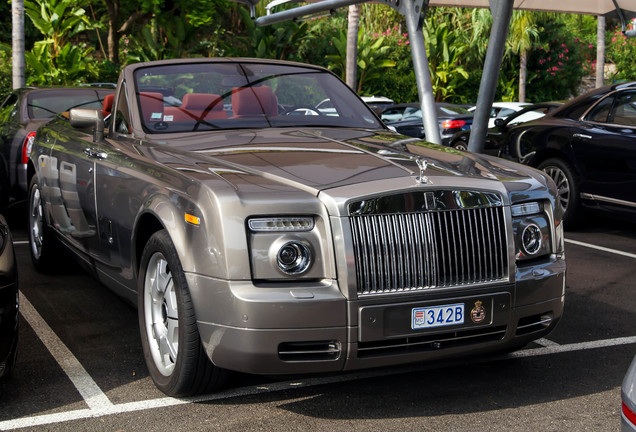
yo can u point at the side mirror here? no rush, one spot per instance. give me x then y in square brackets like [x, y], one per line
[499, 122]
[88, 117]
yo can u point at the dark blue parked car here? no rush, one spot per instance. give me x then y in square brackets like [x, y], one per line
[8, 300]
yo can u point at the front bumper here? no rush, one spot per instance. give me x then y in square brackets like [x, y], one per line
[314, 328]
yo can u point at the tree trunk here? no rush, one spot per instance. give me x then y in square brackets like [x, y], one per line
[600, 51]
[523, 74]
[352, 46]
[17, 36]
[113, 36]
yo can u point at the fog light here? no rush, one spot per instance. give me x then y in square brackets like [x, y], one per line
[293, 258]
[531, 239]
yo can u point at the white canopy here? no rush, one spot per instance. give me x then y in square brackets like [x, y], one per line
[586, 7]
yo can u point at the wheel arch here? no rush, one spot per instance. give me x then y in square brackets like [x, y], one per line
[147, 224]
[553, 153]
[167, 210]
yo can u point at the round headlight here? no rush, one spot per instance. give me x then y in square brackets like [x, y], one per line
[531, 239]
[293, 258]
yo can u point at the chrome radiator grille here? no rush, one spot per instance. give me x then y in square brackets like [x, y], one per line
[404, 252]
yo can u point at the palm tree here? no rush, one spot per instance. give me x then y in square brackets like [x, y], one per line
[352, 45]
[18, 43]
[522, 37]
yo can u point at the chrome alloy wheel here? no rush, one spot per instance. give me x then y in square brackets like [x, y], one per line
[36, 221]
[161, 315]
[562, 183]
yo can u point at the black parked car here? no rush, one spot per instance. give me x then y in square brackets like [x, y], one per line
[588, 146]
[407, 120]
[8, 301]
[21, 114]
[503, 126]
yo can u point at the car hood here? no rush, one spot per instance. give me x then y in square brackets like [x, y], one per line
[320, 159]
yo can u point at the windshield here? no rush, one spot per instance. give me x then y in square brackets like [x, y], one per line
[43, 104]
[224, 95]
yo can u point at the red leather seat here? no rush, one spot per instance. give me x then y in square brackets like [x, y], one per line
[196, 106]
[151, 106]
[107, 104]
[254, 101]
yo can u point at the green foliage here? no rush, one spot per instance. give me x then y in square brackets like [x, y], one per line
[71, 66]
[107, 71]
[173, 42]
[444, 56]
[6, 71]
[274, 42]
[456, 41]
[555, 72]
[398, 82]
[621, 51]
[372, 58]
[57, 20]
[319, 41]
[58, 60]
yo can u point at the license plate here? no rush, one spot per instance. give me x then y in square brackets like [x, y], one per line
[437, 316]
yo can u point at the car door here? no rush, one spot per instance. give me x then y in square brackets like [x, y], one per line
[68, 182]
[118, 197]
[605, 147]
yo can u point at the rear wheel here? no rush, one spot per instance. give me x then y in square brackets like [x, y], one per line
[172, 347]
[42, 243]
[460, 145]
[568, 189]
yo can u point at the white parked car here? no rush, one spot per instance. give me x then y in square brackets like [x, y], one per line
[502, 110]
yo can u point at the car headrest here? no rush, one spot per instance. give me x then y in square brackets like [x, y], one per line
[249, 101]
[202, 101]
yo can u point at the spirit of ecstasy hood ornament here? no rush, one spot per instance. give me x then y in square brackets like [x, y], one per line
[422, 164]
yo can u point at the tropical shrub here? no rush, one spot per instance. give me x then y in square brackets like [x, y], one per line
[59, 59]
[6, 71]
[555, 72]
[372, 59]
[621, 51]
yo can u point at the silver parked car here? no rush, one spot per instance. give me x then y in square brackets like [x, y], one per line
[628, 397]
[257, 240]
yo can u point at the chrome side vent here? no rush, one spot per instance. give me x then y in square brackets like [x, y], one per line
[533, 324]
[309, 351]
[404, 252]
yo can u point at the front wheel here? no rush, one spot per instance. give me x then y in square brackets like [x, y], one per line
[172, 347]
[568, 189]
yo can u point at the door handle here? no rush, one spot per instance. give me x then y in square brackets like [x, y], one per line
[583, 136]
[95, 154]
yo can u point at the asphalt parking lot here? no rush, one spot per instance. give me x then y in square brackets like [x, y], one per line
[80, 366]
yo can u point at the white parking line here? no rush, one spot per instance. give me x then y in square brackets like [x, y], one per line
[601, 248]
[90, 391]
[99, 405]
[546, 342]
[110, 409]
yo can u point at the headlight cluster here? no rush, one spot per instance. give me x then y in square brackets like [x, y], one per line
[532, 230]
[284, 247]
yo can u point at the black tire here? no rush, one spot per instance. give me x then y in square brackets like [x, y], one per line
[43, 245]
[170, 338]
[460, 145]
[567, 183]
